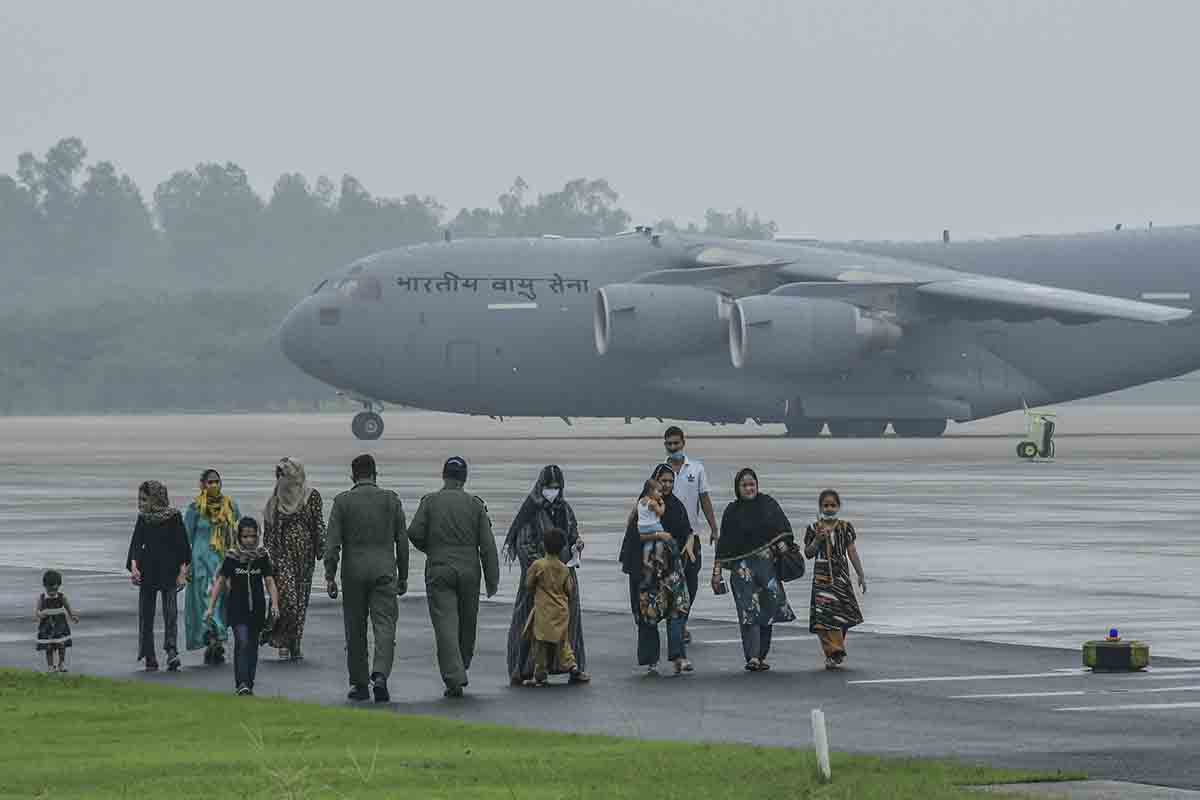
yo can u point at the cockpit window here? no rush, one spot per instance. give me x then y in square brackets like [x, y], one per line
[364, 288]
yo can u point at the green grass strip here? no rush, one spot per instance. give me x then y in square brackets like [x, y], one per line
[73, 736]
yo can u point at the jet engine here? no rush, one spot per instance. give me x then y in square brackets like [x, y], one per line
[633, 318]
[801, 335]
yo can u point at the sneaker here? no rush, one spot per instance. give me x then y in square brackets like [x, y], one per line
[379, 686]
[359, 693]
[652, 670]
[173, 664]
[151, 666]
[579, 676]
[243, 691]
[453, 692]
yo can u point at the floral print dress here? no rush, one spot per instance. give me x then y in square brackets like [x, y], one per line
[757, 591]
[295, 542]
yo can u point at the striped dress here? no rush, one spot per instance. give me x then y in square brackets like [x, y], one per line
[833, 605]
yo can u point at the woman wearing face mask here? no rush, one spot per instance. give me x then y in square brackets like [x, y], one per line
[753, 527]
[211, 524]
[545, 507]
[660, 593]
[295, 537]
[833, 610]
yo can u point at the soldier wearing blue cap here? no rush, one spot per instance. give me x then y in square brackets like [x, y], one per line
[452, 528]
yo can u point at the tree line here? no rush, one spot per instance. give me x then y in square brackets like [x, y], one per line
[120, 301]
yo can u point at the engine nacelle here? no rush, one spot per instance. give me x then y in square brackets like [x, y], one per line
[800, 335]
[633, 318]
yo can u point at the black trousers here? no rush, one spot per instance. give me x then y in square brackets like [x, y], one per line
[147, 603]
[245, 653]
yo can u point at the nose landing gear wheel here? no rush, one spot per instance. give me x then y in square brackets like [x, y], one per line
[367, 425]
[1027, 450]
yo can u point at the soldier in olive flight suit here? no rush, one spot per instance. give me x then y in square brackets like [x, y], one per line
[367, 525]
[453, 530]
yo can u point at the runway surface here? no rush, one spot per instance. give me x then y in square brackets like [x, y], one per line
[960, 539]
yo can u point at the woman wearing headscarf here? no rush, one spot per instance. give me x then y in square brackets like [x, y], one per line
[833, 609]
[753, 529]
[545, 507]
[211, 523]
[660, 593]
[295, 536]
[158, 562]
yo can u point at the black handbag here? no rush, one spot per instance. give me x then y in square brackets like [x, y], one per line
[789, 561]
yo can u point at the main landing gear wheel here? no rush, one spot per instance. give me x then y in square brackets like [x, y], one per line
[367, 425]
[803, 427]
[919, 428]
[1027, 450]
[857, 428]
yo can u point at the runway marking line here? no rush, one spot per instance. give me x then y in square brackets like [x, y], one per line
[1012, 676]
[1074, 693]
[1133, 707]
[773, 640]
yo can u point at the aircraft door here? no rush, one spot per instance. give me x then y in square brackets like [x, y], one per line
[462, 364]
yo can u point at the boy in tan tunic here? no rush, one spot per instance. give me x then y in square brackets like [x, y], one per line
[549, 581]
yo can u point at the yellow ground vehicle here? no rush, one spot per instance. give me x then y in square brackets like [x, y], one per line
[1040, 427]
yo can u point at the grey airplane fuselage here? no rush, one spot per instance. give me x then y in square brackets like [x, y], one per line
[505, 327]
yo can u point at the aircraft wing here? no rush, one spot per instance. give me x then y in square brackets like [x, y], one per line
[1017, 300]
[911, 291]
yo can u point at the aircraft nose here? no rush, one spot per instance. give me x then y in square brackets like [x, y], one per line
[295, 335]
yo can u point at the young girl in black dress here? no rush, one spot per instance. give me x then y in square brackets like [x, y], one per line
[54, 633]
[245, 573]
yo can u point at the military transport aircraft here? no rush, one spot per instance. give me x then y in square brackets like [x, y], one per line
[852, 335]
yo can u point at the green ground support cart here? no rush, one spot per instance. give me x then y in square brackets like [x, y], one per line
[1116, 656]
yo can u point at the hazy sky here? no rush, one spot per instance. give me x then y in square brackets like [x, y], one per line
[836, 118]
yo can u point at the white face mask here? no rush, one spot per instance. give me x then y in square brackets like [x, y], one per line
[550, 494]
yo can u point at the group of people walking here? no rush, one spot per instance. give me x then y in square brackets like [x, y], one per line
[257, 584]
[234, 576]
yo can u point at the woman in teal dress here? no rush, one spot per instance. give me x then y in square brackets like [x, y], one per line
[211, 522]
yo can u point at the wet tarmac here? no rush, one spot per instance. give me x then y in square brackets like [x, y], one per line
[968, 551]
[960, 538]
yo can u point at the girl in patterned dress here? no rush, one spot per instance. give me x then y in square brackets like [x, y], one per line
[54, 633]
[833, 609]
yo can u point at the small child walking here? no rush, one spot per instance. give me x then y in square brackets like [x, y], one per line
[245, 574]
[650, 508]
[549, 581]
[54, 632]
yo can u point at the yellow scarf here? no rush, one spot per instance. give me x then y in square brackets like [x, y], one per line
[221, 519]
